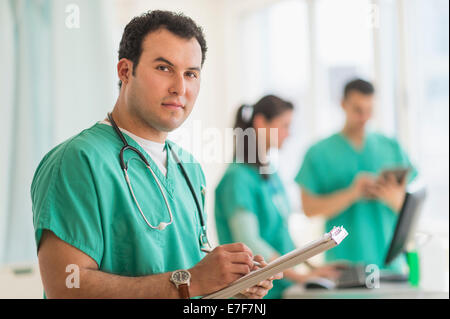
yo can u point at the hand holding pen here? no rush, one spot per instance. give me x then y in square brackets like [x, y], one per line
[257, 264]
[224, 265]
[261, 289]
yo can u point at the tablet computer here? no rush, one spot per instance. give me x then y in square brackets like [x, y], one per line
[400, 173]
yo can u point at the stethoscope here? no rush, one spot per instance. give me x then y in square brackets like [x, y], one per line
[162, 225]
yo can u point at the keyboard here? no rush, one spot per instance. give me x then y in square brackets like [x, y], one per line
[352, 277]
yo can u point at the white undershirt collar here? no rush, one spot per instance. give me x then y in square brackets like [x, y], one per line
[157, 151]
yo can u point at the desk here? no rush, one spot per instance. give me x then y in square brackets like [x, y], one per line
[385, 291]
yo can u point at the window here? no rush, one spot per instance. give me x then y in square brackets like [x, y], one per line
[344, 51]
[307, 50]
[427, 23]
[280, 36]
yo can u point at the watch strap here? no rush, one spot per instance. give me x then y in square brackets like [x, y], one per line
[183, 291]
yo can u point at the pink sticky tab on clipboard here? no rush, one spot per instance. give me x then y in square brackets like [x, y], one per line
[338, 234]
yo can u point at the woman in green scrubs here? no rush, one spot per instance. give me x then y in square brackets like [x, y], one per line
[251, 203]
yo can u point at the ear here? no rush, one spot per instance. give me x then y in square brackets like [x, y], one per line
[343, 103]
[124, 70]
[259, 121]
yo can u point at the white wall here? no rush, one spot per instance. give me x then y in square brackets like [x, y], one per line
[26, 285]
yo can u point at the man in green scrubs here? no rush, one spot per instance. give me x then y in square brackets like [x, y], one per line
[87, 220]
[339, 180]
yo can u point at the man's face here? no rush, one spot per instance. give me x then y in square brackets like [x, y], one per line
[358, 109]
[166, 83]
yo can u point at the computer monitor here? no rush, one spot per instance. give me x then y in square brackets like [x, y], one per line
[412, 205]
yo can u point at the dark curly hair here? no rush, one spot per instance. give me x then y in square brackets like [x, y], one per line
[136, 30]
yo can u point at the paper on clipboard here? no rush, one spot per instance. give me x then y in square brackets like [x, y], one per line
[289, 260]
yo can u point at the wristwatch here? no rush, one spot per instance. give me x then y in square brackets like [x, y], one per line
[182, 279]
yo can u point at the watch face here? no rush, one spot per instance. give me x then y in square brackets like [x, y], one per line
[181, 276]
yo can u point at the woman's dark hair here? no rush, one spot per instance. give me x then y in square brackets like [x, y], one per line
[270, 106]
[136, 30]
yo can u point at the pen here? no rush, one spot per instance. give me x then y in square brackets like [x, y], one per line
[254, 262]
[310, 266]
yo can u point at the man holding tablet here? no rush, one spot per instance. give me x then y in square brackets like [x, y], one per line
[346, 179]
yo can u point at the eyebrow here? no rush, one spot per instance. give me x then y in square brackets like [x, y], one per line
[161, 59]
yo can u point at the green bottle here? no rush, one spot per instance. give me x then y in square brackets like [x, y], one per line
[412, 258]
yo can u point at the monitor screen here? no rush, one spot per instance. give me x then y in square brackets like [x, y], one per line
[407, 218]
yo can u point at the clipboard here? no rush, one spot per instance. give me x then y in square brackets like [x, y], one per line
[289, 260]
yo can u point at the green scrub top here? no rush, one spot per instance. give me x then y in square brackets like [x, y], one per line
[243, 188]
[331, 165]
[79, 193]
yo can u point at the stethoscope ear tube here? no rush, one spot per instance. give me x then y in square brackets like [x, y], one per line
[129, 147]
[203, 237]
[188, 181]
[126, 146]
[116, 128]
